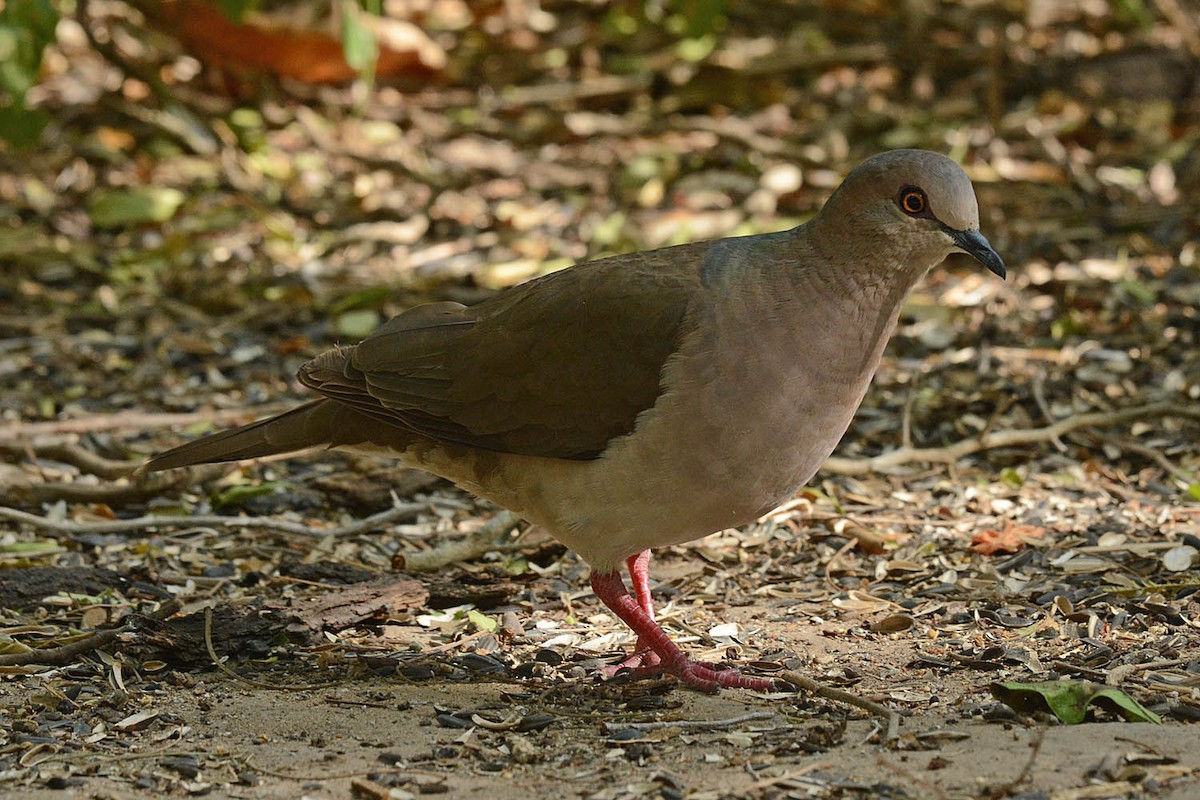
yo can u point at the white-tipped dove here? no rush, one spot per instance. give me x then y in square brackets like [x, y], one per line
[645, 399]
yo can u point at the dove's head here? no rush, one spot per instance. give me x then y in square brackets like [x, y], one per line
[911, 206]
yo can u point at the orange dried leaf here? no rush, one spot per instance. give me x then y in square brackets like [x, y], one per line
[990, 542]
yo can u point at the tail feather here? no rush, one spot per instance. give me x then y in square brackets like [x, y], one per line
[319, 423]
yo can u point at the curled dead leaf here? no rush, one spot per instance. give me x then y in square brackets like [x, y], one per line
[893, 623]
[1014, 537]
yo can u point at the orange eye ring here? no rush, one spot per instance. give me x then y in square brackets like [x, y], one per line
[913, 202]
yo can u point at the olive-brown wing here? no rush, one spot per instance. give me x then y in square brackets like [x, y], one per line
[556, 367]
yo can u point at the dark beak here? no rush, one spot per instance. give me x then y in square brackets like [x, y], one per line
[974, 244]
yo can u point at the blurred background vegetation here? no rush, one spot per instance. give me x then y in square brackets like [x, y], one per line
[196, 195]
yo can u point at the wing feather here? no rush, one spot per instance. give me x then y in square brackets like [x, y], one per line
[555, 367]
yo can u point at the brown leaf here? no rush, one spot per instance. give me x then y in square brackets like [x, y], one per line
[990, 541]
[350, 606]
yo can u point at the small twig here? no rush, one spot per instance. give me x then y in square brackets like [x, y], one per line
[507, 724]
[1039, 397]
[906, 417]
[767, 783]
[1006, 789]
[68, 528]
[113, 494]
[793, 59]
[846, 548]
[457, 643]
[1005, 404]
[1009, 438]
[1150, 453]
[65, 654]
[486, 539]
[690, 724]
[68, 453]
[77, 759]
[572, 91]
[1117, 675]
[309, 778]
[1068, 667]
[136, 420]
[181, 123]
[738, 130]
[1183, 21]
[838, 695]
[219, 664]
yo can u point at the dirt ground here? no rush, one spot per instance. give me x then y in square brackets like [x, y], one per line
[1017, 500]
[214, 736]
[338, 723]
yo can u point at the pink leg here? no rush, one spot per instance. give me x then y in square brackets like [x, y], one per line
[612, 592]
[639, 574]
[642, 659]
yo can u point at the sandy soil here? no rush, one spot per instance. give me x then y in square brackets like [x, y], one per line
[213, 735]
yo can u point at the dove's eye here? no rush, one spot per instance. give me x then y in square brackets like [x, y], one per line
[912, 201]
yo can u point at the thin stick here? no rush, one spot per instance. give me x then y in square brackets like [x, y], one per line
[1010, 438]
[136, 420]
[766, 783]
[219, 664]
[1183, 21]
[68, 528]
[1039, 397]
[57, 656]
[29, 493]
[486, 539]
[840, 696]
[846, 548]
[68, 453]
[1149, 452]
[340, 775]
[1039, 736]
[1117, 675]
[690, 724]
[906, 417]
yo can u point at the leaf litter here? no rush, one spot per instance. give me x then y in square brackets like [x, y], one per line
[143, 278]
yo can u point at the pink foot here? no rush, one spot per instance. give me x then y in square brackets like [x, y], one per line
[654, 642]
[643, 661]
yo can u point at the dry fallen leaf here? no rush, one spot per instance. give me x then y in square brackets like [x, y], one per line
[990, 541]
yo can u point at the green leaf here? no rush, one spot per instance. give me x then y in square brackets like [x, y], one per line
[482, 621]
[26, 27]
[236, 495]
[1069, 324]
[366, 298]
[702, 17]
[1140, 293]
[620, 23]
[358, 41]
[1010, 476]
[1069, 700]
[21, 127]
[119, 208]
[30, 549]
[516, 566]
[1193, 491]
[10, 646]
[357, 324]
[608, 231]
[236, 9]
[29, 26]
[1135, 11]
[697, 49]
